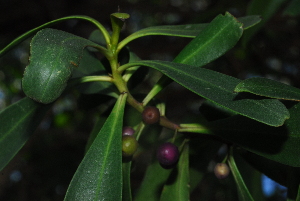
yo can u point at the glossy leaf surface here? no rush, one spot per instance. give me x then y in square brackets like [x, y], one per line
[219, 88]
[282, 142]
[177, 187]
[216, 39]
[99, 175]
[19, 122]
[243, 191]
[54, 55]
[269, 88]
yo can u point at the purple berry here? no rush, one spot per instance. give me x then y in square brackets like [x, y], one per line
[221, 170]
[151, 115]
[128, 131]
[167, 155]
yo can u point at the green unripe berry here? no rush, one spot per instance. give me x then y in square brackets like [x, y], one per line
[150, 115]
[129, 145]
[221, 170]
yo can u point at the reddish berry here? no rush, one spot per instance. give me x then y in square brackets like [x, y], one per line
[221, 170]
[150, 115]
[167, 155]
[127, 131]
[129, 145]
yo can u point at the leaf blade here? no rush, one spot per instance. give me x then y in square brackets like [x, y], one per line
[19, 122]
[99, 175]
[268, 88]
[218, 88]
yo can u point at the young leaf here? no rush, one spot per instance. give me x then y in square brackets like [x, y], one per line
[269, 88]
[54, 55]
[19, 121]
[99, 175]
[243, 191]
[282, 142]
[216, 39]
[218, 88]
[178, 188]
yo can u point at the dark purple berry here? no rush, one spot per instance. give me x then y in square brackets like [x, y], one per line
[221, 170]
[167, 155]
[127, 131]
[150, 115]
[129, 145]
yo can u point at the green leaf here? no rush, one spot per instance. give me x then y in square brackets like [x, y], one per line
[269, 88]
[153, 181]
[215, 40]
[266, 9]
[243, 191]
[218, 88]
[54, 55]
[177, 188]
[282, 142]
[293, 8]
[48, 24]
[126, 192]
[99, 175]
[187, 30]
[19, 122]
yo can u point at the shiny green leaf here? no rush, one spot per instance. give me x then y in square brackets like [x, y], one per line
[99, 175]
[219, 88]
[269, 88]
[19, 122]
[215, 40]
[178, 188]
[54, 55]
[243, 191]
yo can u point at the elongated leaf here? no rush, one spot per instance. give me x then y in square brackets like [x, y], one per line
[218, 88]
[54, 54]
[187, 30]
[244, 193]
[216, 39]
[293, 9]
[19, 121]
[269, 88]
[282, 142]
[153, 181]
[24, 36]
[178, 188]
[126, 192]
[99, 175]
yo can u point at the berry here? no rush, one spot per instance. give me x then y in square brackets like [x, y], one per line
[129, 145]
[150, 115]
[221, 170]
[127, 131]
[167, 155]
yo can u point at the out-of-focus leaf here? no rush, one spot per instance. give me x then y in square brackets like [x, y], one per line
[177, 186]
[243, 191]
[152, 183]
[19, 121]
[99, 175]
[249, 21]
[266, 9]
[219, 88]
[54, 55]
[293, 8]
[126, 192]
[279, 144]
[216, 39]
[269, 88]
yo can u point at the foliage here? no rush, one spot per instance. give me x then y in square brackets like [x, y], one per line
[261, 124]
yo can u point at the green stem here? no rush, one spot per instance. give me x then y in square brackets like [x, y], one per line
[194, 128]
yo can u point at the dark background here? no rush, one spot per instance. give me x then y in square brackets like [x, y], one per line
[45, 165]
